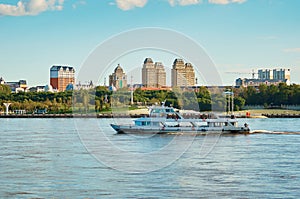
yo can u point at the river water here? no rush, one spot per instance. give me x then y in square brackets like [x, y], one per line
[84, 158]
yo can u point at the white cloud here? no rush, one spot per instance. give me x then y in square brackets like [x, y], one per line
[292, 50]
[184, 2]
[78, 3]
[30, 7]
[271, 37]
[130, 4]
[224, 2]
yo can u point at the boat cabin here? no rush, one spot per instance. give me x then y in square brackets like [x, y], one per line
[165, 112]
[222, 123]
[146, 122]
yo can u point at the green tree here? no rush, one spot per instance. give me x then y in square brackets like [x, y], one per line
[239, 103]
[4, 89]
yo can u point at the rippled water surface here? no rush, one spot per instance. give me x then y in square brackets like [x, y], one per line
[46, 158]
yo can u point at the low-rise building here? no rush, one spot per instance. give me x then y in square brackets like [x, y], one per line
[84, 86]
[37, 89]
[2, 80]
[244, 82]
[20, 86]
[47, 88]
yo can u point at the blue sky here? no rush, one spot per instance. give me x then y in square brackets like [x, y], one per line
[238, 35]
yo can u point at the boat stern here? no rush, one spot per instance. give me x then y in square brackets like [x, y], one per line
[241, 129]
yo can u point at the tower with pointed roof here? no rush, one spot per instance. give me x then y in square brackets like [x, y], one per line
[118, 79]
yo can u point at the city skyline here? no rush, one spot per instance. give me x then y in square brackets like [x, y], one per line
[238, 35]
[183, 78]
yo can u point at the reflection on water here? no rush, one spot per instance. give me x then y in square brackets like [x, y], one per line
[274, 132]
[44, 158]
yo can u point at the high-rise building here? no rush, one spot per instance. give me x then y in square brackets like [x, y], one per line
[189, 74]
[267, 77]
[276, 74]
[282, 74]
[160, 74]
[149, 73]
[118, 79]
[182, 74]
[61, 77]
[153, 74]
[265, 74]
[178, 73]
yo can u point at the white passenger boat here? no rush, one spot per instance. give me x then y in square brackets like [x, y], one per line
[164, 120]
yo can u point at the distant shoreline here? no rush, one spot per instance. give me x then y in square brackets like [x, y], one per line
[119, 115]
[107, 115]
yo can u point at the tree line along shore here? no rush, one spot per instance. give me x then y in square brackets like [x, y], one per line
[102, 100]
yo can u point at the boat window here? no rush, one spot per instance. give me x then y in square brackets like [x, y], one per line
[138, 123]
[157, 111]
[154, 123]
[145, 123]
[218, 124]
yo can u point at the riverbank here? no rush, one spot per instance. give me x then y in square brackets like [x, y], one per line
[262, 113]
[106, 115]
[269, 113]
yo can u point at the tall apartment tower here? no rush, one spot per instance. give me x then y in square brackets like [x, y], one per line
[282, 74]
[182, 74]
[178, 73]
[153, 74]
[189, 74]
[118, 79]
[149, 78]
[61, 76]
[275, 74]
[160, 74]
[265, 74]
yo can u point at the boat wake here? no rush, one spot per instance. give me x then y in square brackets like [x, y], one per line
[274, 132]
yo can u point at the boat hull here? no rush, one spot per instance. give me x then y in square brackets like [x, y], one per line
[121, 129]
